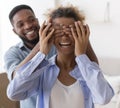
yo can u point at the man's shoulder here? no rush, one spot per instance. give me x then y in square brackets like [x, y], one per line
[14, 48]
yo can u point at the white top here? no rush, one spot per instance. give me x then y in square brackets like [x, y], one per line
[63, 96]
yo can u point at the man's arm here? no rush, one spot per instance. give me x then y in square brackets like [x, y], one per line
[30, 56]
[91, 54]
[28, 79]
[14, 59]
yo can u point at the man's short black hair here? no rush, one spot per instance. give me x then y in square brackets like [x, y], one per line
[18, 8]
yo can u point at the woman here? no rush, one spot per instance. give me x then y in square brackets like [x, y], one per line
[69, 79]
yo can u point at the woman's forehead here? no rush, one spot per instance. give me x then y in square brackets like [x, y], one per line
[63, 21]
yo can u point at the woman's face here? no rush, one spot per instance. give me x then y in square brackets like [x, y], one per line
[63, 39]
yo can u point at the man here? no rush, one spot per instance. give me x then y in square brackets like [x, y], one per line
[26, 26]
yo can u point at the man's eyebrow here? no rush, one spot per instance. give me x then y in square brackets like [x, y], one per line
[31, 17]
[18, 22]
[27, 19]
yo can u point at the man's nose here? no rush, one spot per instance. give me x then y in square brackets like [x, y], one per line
[28, 25]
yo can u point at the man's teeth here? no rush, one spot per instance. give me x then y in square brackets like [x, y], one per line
[30, 32]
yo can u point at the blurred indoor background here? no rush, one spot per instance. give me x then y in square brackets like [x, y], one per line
[103, 17]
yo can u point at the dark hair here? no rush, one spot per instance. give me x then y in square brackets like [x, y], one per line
[18, 8]
[69, 12]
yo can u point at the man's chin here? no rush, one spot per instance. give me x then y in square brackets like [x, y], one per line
[33, 42]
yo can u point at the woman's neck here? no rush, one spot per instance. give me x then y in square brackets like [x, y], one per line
[66, 65]
[66, 61]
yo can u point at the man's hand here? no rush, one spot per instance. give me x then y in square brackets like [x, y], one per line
[46, 39]
[81, 37]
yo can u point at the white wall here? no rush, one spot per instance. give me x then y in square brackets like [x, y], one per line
[105, 35]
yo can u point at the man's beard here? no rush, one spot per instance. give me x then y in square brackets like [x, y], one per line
[33, 42]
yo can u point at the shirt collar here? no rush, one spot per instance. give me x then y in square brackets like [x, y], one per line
[53, 59]
[74, 73]
[21, 45]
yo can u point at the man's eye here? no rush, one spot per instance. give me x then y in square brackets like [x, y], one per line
[20, 25]
[32, 20]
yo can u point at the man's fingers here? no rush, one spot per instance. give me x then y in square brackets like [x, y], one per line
[81, 28]
[42, 28]
[49, 37]
[87, 30]
[73, 34]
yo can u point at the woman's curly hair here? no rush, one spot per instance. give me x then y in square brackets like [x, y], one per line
[66, 11]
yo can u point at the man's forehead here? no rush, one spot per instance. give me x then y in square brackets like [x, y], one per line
[23, 15]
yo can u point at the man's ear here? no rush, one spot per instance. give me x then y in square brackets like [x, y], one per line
[37, 20]
[14, 31]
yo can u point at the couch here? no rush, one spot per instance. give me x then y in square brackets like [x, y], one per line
[4, 101]
[111, 71]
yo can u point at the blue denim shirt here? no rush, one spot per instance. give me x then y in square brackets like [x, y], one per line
[12, 58]
[39, 75]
